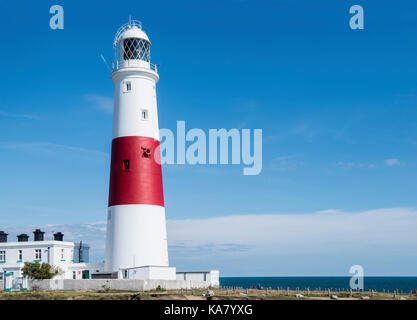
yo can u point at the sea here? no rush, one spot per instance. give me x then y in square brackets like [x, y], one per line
[382, 284]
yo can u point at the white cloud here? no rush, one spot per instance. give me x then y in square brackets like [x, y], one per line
[323, 242]
[51, 148]
[284, 163]
[346, 164]
[99, 102]
[323, 230]
[355, 165]
[329, 211]
[392, 162]
[5, 114]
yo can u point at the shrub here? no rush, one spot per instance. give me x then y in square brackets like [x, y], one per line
[36, 270]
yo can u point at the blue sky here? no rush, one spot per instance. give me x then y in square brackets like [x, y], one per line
[337, 108]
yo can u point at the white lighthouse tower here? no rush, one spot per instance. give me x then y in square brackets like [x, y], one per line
[136, 226]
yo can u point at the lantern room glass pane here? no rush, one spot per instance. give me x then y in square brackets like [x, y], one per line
[136, 49]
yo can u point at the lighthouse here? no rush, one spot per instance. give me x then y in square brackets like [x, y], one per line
[136, 224]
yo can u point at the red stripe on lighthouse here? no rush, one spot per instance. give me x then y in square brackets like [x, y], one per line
[135, 176]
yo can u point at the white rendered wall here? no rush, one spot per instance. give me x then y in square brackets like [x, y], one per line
[211, 276]
[214, 278]
[116, 284]
[78, 268]
[127, 119]
[129, 227]
[151, 272]
[28, 250]
[65, 262]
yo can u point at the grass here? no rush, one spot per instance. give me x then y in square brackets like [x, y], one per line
[219, 294]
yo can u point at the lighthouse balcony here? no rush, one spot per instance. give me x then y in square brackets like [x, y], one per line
[132, 63]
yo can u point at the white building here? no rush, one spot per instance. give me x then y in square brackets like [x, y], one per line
[72, 258]
[211, 276]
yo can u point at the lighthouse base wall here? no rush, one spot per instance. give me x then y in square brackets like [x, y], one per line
[136, 237]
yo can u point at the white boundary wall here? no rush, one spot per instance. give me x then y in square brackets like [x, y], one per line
[211, 276]
[150, 273]
[115, 284]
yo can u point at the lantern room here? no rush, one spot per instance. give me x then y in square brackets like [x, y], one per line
[132, 47]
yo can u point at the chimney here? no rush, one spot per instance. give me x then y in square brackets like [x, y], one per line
[22, 237]
[58, 236]
[3, 236]
[38, 235]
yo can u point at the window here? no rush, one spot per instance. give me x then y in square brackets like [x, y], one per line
[20, 255]
[3, 256]
[125, 165]
[38, 254]
[136, 49]
[144, 114]
[62, 254]
[128, 86]
[146, 153]
[74, 275]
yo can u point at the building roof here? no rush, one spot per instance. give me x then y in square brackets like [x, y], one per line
[133, 32]
[45, 243]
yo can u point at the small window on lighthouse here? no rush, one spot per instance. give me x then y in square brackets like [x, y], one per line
[125, 165]
[128, 86]
[144, 114]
